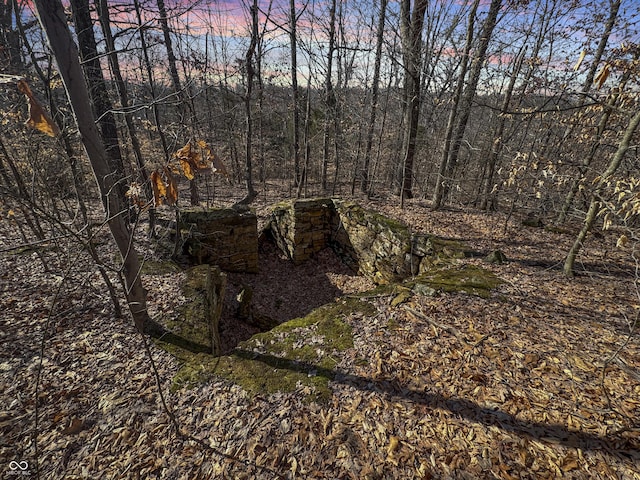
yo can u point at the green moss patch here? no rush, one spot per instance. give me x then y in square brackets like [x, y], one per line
[159, 267]
[300, 352]
[465, 278]
[190, 329]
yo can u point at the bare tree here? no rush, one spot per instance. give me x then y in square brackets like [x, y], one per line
[411, 23]
[105, 23]
[10, 56]
[375, 89]
[99, 94]
[464, 65]
[442, 186]
[614, 7]
[248, 96]
[149, 72]
[330, 96]
[185, 101]
[498, 140]
[53, 20]
[295, 94]
[594, 204]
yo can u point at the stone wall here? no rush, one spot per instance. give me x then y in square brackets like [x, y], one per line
[224, 237]
[376, 246]
[303, 227]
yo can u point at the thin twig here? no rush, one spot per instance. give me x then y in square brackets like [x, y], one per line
[447, 328]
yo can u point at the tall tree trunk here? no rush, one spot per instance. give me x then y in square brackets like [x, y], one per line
[614, 7]
[330, 97]
[53, 20]
[184, 103]
[10, 54]
[105, 24]
[594, 205]
[442, 187]
[248, 174]
[411, 35]
[103, 108]
[149, 71]
[295, 94]
[464, 65]
[306, 143]
[498, 142]
[375, 89]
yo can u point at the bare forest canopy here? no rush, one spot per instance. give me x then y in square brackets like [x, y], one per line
[520, 106]
[493, 104]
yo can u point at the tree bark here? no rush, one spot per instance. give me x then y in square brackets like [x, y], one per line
[442, 187]
[411, 24]
[105, 24]
[295, 94]
[498, 142]
[149, 72]
[602, 44]
[248, 172]
[375, 89]
[103, 108]
[53, 20]
[184, 103]
[464, 65]
[10, 55]
[594, 205]
[330, 97]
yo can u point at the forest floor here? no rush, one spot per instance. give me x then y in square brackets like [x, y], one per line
[540, 380]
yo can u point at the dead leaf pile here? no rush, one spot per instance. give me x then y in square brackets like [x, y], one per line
[455, 386]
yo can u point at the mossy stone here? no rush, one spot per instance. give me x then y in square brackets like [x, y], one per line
[300, 352]
[159, 267]
[465, 278]
[497, 256]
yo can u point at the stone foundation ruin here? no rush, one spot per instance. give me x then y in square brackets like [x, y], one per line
[376, 246]
[280, 355]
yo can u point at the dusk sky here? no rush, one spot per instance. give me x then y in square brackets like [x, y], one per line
[220, 29]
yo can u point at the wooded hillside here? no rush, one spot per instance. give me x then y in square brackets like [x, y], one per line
[509, 126]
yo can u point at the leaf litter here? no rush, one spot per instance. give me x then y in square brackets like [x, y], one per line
[519, 385]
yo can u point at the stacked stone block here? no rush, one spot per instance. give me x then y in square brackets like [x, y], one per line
[378, 247]
[303, 227]
[224, 237]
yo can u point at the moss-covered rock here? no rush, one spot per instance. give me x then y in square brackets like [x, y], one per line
[190, 329]
[160, 267]
[497, 256]
[463, 278]
[300, 352]
[379, 245]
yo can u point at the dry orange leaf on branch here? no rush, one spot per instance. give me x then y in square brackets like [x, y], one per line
[191, 159]
[602, 75]
[197, 157]
[218, 165]
[172, 188]
[38, 117]
[163, 192]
